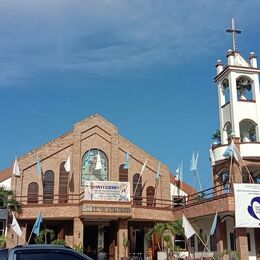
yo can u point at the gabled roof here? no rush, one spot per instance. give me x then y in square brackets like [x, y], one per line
[5, 174]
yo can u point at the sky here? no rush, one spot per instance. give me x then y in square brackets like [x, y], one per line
[147, 66]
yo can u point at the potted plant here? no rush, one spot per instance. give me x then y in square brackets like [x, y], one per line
[157, 233]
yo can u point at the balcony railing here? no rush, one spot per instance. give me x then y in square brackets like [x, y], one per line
[178, 202]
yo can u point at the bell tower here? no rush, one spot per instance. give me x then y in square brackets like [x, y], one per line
[238, 94]
[239, 117]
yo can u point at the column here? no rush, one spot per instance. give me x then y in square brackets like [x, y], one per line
[122, 239]
[221, 236]
[78, 231]
[257, 244]
[241, 243]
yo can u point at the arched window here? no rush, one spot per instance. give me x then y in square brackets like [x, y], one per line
[33, 192]
[94, 166]
[244, 88]
[123, 173]
[137, 189]
[63, 184]
[247, 130]
[225, 90]
[48, 187]
[150, 200]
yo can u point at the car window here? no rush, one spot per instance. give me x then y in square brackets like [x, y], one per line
[65, 256]
[32, 255]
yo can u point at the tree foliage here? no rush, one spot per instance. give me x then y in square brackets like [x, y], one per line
[8, 201]
[216, 136]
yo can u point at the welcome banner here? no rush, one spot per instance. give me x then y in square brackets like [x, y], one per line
[107, 191]
[247, 205]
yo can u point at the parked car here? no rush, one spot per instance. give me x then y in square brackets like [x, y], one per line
[41, 252]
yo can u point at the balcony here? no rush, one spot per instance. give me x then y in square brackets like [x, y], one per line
[146, 208]
[251, 149]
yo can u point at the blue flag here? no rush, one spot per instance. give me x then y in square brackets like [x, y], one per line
[194, 162]
[126, 164]
[232, 151]
[37, 224]
[39, 167]
[214, 225]
[229, 151]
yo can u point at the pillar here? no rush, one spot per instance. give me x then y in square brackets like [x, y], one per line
[122, 237]
[241, 243]
[257, 244]
[221, 236]
[78, 232]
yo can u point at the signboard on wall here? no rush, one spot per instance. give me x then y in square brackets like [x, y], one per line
[247, 205]
[107, 191]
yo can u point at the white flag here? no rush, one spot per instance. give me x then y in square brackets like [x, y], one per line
[98, 163]
[16, 170]
[188, 228]
[212, 157]
[15, 226]
[143, 167]
[177, 177]
[67, 165]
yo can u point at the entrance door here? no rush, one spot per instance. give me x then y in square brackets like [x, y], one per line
[91, 240]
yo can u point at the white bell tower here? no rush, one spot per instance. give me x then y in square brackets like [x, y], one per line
[238, 94]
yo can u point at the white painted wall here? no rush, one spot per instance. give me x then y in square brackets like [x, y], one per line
[6, 183]
[175, 191]
[246, 149]
[237, 111]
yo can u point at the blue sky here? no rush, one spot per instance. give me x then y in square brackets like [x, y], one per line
[145, 65]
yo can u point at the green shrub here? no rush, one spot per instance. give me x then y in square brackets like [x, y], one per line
[78, 247]
[58, 242]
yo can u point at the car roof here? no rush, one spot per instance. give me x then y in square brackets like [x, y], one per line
[42, 246]
[45, 247]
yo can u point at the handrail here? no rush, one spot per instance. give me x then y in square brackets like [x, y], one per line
[177, 202]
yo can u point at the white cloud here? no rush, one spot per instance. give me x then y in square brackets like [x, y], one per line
[108, 36]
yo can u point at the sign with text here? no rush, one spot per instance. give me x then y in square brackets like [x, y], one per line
[247, 205]
[107, 191]
[89, 208]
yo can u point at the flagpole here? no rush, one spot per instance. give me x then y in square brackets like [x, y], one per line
[28, 241]
[230, 168]
[203, 244]
[137, 184]
[193, 232]
[140, 175]
[32, 230]
[250, 177]
[197, 173]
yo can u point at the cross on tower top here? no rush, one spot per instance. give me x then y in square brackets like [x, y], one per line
[233, 30]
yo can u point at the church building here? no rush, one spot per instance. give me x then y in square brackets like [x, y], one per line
[95, 189]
